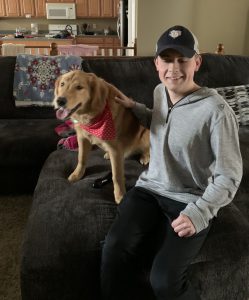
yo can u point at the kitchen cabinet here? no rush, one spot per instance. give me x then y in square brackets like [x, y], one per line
[40, 8]
[90, 40]
[96, 8]
[107, 8]
[37, 8]
[116, 8]
[27, 7]
[100, 41]
[2, 9]
[60, 1]
[19, 8]
[81, 8]
[12, 8]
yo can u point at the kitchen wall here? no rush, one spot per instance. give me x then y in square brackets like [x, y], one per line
[212, 21]
[9, 25]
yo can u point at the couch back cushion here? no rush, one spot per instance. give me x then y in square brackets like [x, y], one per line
[223, 70]
[7, 65]
[135, 77]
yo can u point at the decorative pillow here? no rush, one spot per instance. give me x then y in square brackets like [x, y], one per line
[238, 98]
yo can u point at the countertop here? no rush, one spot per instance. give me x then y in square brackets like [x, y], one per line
[97, 35]
[33, 39]
[43, 38]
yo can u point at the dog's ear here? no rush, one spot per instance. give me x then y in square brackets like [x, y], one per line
[98, 89]
[113, 91]
[56, 85]
[103, 91]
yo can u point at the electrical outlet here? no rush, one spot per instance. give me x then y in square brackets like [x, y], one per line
[94, 26]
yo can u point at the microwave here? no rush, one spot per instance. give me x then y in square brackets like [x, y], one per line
[60, 11]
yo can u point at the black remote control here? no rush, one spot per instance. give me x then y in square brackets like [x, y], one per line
[99, 182]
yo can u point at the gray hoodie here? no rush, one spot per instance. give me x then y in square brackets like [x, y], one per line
[194, 154]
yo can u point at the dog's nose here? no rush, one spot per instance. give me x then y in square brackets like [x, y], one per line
[61, 101]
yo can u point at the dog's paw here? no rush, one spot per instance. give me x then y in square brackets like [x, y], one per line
[118, 199]
[74, 177]
[106, 155]
[144, 159]
[118, 195]
[77, 174]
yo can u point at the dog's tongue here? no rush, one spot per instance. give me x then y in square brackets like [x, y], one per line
[62, 113]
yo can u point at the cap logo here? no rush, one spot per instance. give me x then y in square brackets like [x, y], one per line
[175, 33]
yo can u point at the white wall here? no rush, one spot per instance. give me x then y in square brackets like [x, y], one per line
[212, 21]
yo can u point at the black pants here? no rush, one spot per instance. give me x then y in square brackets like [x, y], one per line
[140, 234]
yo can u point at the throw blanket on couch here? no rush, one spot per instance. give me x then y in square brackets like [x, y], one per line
[35, 75]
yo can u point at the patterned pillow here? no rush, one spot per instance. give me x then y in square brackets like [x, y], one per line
[238, 98]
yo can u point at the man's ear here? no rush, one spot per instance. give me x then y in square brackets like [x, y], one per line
[156, 62]
[198, 62]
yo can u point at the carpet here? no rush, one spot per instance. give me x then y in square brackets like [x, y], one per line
[13, 217]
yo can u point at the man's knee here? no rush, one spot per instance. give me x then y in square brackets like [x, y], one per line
[168, 285]
[118, 248]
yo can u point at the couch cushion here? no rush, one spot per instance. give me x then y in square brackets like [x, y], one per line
[230, 230]
[54, 193]
[62, 246]
[66, 224]
[27, 143]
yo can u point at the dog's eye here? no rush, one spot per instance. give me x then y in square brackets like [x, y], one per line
[79, 87]
[62, 83]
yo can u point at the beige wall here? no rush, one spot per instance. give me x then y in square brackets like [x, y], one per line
[212, 21]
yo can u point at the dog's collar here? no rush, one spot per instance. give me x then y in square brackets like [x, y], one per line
[101, 126]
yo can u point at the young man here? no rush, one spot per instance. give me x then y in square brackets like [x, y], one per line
[195, 169]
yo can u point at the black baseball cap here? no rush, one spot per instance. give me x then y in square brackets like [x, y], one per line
[180, 39]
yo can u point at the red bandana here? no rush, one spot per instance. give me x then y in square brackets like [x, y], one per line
[102, 126]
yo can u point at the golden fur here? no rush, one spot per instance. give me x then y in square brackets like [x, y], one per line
[84, 96]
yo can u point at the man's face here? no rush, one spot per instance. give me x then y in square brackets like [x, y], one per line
[177, 71]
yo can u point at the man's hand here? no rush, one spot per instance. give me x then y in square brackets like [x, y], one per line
[125, 101]
[183, 226]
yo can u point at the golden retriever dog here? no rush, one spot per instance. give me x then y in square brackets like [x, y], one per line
[99, 120]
